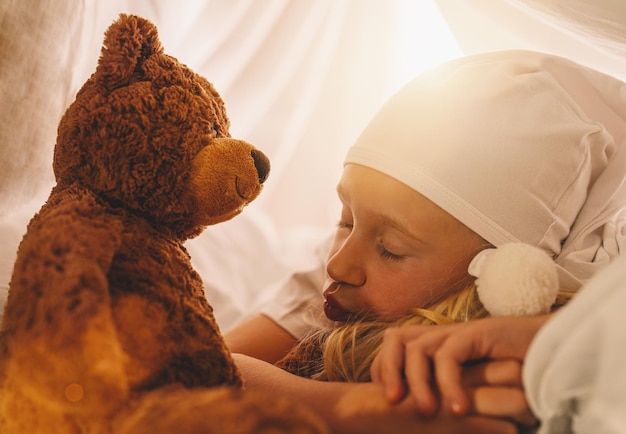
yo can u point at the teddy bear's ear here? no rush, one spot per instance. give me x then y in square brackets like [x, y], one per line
[127, 43]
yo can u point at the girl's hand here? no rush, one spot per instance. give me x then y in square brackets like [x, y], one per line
[425, 361]
[363, 409]
[494, 389]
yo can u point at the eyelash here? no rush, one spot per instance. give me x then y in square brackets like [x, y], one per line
[387, 254]
[343, 225]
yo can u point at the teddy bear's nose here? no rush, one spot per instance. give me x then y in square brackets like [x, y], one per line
[262, 164]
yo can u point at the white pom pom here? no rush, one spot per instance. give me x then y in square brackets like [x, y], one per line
[515, 279]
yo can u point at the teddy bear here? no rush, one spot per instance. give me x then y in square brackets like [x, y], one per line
[106, 327]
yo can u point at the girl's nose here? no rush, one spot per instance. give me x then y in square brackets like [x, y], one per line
[345, 265]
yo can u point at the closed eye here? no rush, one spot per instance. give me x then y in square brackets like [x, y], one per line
[387, 254]
[344, 225]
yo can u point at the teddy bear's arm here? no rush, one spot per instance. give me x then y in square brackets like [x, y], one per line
[58, 324]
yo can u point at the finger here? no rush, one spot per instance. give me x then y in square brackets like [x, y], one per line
[419, 369]
[506, 372]
[421, 381]
[388, 366]
[502, 402]
[448, 374]
[467, 344]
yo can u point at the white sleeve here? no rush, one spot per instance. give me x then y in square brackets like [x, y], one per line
[575, 370]
[296, 300]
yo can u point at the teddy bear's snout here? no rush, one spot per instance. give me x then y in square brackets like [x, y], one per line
[262, 164]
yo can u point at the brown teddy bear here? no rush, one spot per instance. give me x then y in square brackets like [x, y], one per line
[106, 320]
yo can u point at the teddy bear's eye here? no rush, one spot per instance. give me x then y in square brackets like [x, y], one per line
[216, 130]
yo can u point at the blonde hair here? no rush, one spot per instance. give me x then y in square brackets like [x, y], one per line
[346, 352]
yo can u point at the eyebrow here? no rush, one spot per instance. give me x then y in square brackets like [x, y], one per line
[385, 219]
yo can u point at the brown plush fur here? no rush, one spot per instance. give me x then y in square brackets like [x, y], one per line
[104, 308]
[230, 411]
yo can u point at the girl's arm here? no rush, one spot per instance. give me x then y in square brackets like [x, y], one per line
[360, 407]
[260, 337]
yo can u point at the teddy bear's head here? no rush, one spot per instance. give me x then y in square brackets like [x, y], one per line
[149, 135]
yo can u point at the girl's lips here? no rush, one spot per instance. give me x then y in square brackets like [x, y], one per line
[334, 311]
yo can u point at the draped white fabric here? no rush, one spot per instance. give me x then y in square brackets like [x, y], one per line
[300, 79]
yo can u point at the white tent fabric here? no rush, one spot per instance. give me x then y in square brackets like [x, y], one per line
[300, 80]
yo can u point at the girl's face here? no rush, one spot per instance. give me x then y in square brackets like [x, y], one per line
[393, 250]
